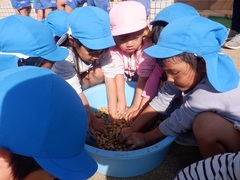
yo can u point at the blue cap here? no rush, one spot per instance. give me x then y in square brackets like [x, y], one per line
[175, 11]
[8, 61]
[203, 37]
[91, 26]
[57, 22]
[41, 116]
[23, 34]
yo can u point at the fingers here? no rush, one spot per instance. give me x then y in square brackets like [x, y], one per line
[125, 133]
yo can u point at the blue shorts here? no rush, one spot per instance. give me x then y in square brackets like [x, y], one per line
[19, 4]
[75, 3]
[103, 4]
[44, 4]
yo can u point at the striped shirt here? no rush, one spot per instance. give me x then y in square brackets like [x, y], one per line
[220, 167]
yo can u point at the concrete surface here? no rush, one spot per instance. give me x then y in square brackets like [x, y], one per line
[179, 156]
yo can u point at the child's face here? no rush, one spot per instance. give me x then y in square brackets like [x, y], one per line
[183, 75]
[129, 43]
[89, 55]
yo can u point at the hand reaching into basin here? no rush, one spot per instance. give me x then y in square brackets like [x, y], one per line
[139, 140]
[125, 133]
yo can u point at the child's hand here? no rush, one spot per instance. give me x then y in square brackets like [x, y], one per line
[136, 140]
[133, 115]
[130, 110]
[121, 107]
[97, 124]
[125, 133]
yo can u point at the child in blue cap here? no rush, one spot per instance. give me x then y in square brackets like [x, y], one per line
[57, 22]
[29, 40]
[206, 78]
[22, 7]
[89, 61]
[165, 16]
[41, 135]
[169, 14]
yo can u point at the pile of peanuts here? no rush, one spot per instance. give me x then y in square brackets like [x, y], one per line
[108, 140]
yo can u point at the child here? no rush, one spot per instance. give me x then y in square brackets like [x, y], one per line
[43, 7]
[165, 16]
[57, 22]
[41, 135]
[22, 7]
[37, 48]
[70, 5]
[206, 78]
[220, 166]
[129, 29]
[89, 61]
[169, 14]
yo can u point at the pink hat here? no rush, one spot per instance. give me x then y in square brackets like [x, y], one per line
[127, 17]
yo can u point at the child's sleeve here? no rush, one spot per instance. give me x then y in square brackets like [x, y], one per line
[107, 65]
[152, 84]
[224, 165]
[117, 60]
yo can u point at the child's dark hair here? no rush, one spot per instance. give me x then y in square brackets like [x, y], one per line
[22, 166]
[195, 61]
[157, 27]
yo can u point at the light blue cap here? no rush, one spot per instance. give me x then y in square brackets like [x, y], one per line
[8, 61]
[41, 116]
[203, 37]
[57, 22]
[23, 34]
[175, 11]
[91, 26]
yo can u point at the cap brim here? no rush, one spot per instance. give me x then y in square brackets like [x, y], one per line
[59, 54]
[157, 51]
[116, 31]
[97, 44]
[221, 71]
[81, 166]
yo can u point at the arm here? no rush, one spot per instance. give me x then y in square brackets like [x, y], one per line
[121, 98]
[152, 84]
[138, 96]
[146, 118]
[144, 103]
[149, 91]
[111, 75]
[93, 122]
[137, 140]
[112, 97]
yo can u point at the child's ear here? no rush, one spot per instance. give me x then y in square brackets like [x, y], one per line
[72, 41]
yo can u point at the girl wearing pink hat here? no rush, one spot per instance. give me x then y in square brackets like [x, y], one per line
[129, 29]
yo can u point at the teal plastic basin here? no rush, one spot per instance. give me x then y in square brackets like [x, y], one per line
[124, 163]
